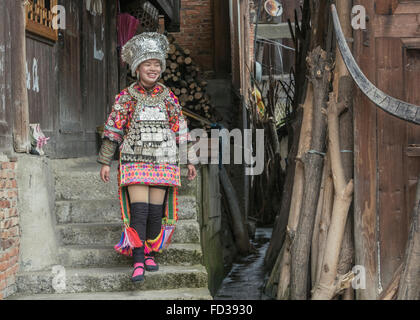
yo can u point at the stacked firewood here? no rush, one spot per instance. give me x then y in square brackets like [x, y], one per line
[186, 81]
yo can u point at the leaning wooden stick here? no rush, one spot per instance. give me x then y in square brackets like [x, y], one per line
[328, 283]
[297, 193]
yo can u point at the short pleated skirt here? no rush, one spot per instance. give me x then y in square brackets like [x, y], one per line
[149, 174]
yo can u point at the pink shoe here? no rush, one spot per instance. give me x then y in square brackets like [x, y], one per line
[150, 263]
[138, 273]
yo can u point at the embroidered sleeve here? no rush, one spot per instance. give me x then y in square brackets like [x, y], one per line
[118, 119]
[107, 151]
[177, 121]
[178, 124]
[115, 126]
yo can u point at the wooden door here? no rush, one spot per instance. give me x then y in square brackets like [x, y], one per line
[387, 161]
[87, 76]
[41, 85]
[70, 127]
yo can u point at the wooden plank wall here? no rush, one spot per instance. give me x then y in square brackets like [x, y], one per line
[41, 85]
[6, 32]
[387, 164]
[76, 80]
[365, 169]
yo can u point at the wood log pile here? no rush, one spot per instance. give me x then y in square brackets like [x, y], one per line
[313, 255]
[311, 261]
[186, 80]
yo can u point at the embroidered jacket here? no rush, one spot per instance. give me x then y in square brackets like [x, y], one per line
[120, 118]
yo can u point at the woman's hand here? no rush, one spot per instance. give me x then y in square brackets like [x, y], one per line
[192, 172]
[105, 173]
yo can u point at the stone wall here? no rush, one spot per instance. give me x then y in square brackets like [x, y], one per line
[9, 227]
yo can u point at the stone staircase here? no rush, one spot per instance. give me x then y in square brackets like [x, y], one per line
[88, 225]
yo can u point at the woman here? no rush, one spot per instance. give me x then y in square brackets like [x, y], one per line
[147, 122]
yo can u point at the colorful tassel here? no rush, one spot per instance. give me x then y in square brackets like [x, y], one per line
[129, 240]
[162, 241]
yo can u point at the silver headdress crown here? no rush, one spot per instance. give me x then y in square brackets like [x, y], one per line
[145, 46]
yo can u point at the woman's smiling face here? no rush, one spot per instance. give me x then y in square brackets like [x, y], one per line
[149, 72]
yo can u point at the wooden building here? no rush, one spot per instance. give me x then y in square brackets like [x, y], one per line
[71, 73]
[387, 163]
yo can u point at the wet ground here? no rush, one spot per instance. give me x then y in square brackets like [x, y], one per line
[246, 279]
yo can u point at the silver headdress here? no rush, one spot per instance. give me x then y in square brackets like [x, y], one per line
[145, 46]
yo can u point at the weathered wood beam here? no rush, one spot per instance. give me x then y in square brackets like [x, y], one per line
[274, 31]
[21, 140]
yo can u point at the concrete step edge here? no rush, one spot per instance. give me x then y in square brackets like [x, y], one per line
[170, 294]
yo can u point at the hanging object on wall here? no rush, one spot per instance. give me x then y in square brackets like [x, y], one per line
[94, 7]
[38, 139]
[274, 8]
[258, 71]
[259, 102]
[127, 27]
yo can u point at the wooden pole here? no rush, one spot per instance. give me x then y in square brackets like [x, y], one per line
[327, 285]
[320, 76]
[240, 231]
[21, 141]
[343, 89]
[409, 288]
[297, 194]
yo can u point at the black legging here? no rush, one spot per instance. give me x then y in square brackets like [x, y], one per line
[146, 219]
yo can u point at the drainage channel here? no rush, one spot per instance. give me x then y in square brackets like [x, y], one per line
[246, 279]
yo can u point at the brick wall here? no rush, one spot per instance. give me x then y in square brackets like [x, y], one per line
[196, 31]
[9, 229]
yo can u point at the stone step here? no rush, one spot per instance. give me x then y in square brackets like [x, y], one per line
[84, 183]
[186, 231]
[103, 256]
[115, 279]
[171, 294]
[97, 211]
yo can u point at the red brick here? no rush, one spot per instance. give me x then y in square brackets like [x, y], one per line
[3, 183]
[13, 269]
[5, 204]
[4, 266]
[8, 165]
[12, 212]
[2, 284]
[12, 194]
[11, 184]
[7, 244]
[13, 252]
[14, 232]
[11, 175]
